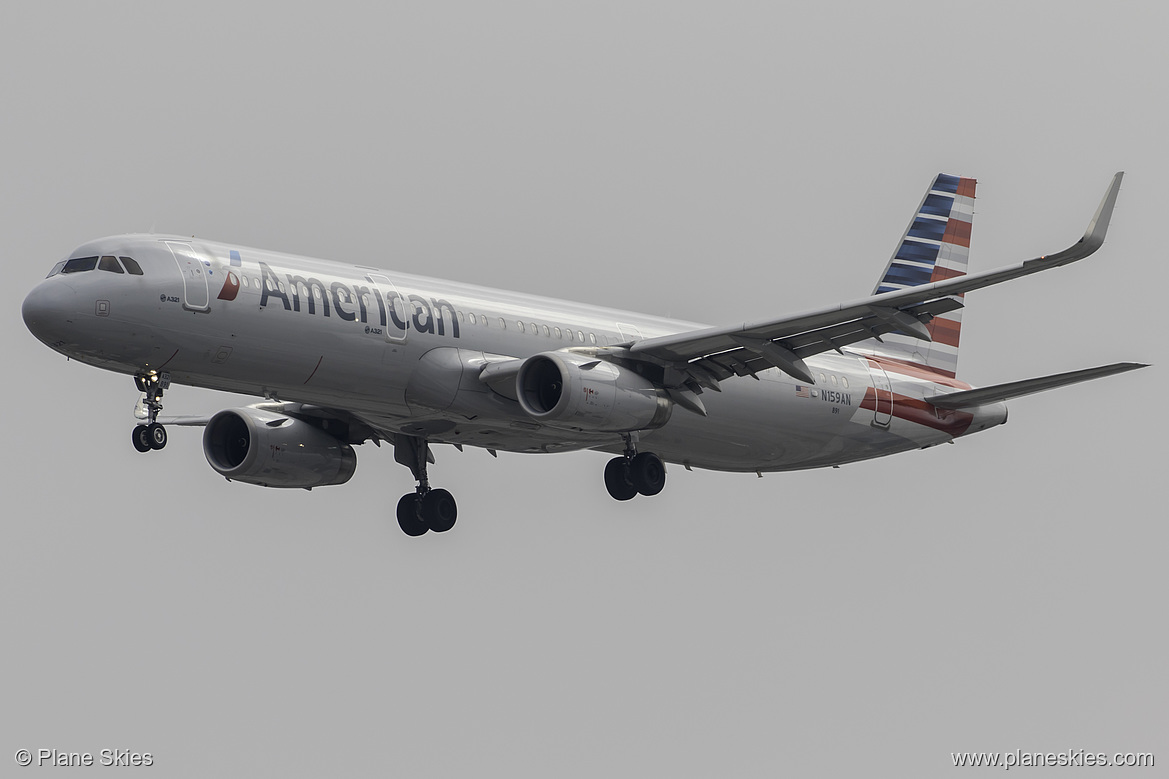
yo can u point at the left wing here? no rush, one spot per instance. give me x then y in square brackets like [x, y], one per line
[185, 421]
[705, 357]
[356, 429]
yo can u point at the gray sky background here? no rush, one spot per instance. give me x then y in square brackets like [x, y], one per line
[707, 161]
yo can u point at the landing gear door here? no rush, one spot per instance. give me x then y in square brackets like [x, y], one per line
[196, 296]
[883, 403]
[394, 308]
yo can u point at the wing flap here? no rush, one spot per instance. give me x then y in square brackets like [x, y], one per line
[746, 361]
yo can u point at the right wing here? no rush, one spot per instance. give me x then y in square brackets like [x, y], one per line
[705, 357]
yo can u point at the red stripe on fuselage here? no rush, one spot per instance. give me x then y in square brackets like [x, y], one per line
[168, 359]
[314, 373]
[920, 413]
[917, 371]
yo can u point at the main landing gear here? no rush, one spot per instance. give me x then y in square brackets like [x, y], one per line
[425, 508]
[150, 435]
[634, 473]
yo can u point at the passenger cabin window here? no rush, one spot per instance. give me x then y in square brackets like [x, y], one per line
[110, 264]
[79, 265]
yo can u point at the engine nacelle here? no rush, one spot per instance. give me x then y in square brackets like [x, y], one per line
[575, 391]
[273, 450]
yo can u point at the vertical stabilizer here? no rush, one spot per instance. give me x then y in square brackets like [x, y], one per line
[935, 246]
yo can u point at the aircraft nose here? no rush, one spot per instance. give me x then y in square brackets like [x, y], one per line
[48, 308]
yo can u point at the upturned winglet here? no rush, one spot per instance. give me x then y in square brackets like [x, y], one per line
[1099, 224]
[1094, 236]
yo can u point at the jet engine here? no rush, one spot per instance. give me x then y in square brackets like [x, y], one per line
[273, 450]
[569, 390]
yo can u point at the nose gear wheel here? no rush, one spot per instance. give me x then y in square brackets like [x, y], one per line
[151, 435]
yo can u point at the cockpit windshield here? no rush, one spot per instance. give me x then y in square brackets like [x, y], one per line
[79, 265]
[107, 263]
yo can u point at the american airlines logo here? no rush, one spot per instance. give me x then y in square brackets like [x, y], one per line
[369, 305]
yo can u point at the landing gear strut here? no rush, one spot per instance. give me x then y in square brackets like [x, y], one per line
[634, 473]
[150, 435]
[425, 508]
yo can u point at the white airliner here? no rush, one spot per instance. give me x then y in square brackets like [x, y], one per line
[347, 353]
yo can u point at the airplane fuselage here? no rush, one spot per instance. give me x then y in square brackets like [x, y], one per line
[404, 353]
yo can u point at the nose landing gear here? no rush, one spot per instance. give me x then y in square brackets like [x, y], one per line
[425, 508]
[150, 435]
[147, 437]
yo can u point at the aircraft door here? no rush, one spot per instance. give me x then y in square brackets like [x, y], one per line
[196, 295]
[628, 332]
[883, 409]
[397, 309]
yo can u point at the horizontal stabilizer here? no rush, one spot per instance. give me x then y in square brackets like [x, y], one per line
[1000, 392]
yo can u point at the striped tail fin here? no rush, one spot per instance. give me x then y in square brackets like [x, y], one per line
[935, 246]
